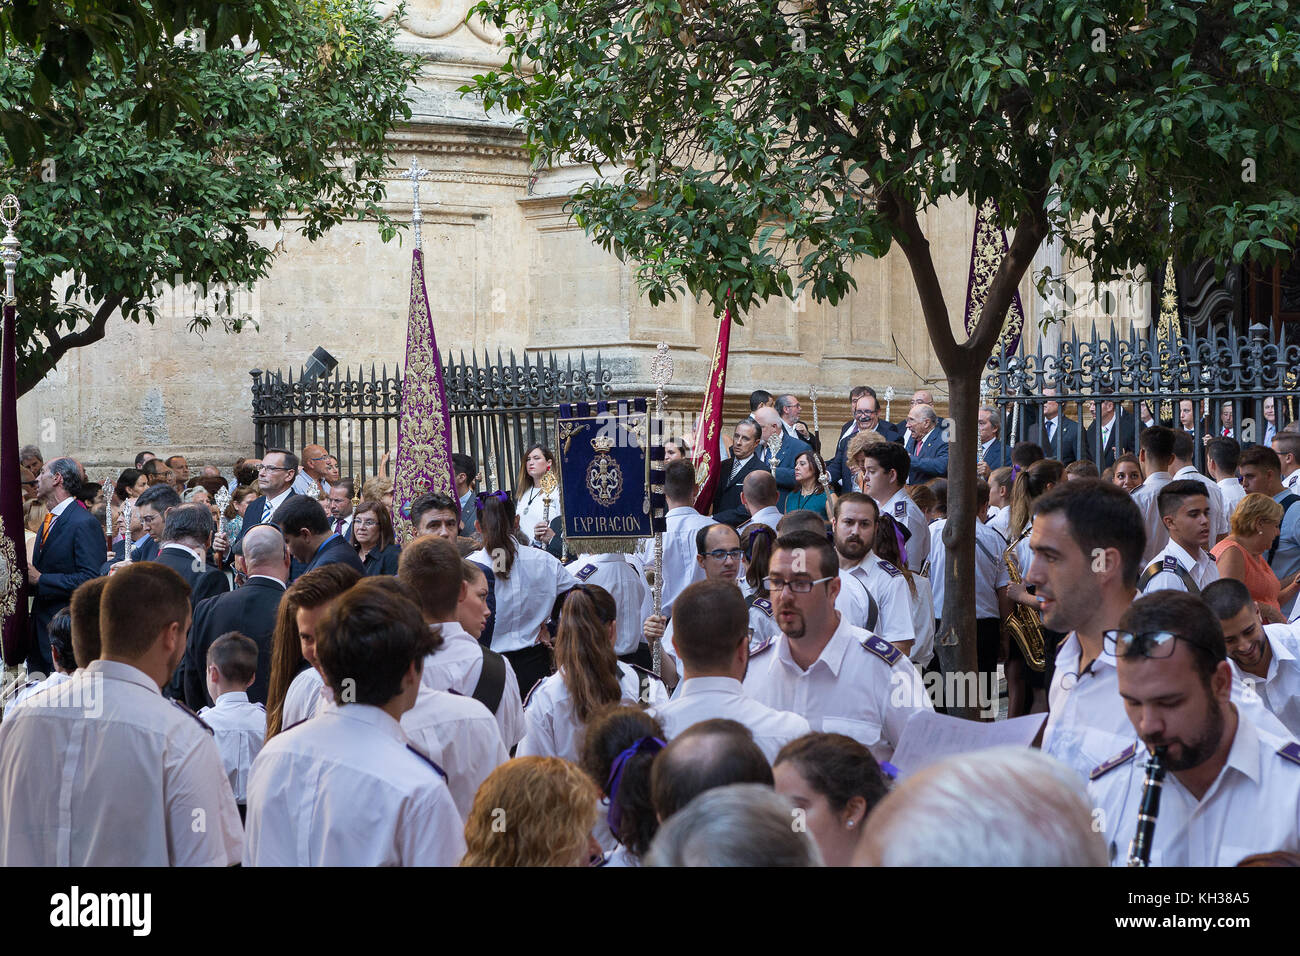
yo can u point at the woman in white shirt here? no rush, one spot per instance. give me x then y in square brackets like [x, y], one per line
[588, 679]
[531, 500]
[526, 583]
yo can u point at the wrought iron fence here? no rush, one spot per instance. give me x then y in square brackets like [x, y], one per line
[498, 409]
[1162, 370]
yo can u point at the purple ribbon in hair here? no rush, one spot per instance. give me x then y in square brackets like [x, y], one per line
[646, 745]
[902, 543]
[1015, 470]
[500, 495]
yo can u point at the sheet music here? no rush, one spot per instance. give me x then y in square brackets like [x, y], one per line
[930, 736]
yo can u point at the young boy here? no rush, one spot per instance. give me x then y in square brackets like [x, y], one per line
[238, 724]
[1182, 564]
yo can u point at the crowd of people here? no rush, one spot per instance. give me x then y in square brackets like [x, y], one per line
[261, 650]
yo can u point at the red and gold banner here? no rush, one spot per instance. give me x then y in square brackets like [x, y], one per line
[424, 423]
[707, 449]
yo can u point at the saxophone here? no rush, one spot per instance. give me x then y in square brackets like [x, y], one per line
[1024, 625]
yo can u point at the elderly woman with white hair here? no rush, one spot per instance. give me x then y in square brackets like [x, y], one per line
[1005, 806]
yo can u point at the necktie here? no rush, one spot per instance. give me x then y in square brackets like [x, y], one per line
[1051, 431]
[1227, 432]
[338, 525]
[45, 525]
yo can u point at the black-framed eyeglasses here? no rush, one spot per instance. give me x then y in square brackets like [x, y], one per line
[863, 413]
[1154, 645]
[721, 554]
[800, 586]
[271, 468]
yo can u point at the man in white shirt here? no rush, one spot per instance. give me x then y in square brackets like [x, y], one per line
[679, 565]
[1087, 548]
[619, 575]
[1287, 446]
[312, 784]
[1182, 564]
[1183, 469]
[433, 569]
[1155, 456]
[855, 531]
[840, 678]
[102, 770]
[315, 468]
[760, 494]
[712, 642]
[238, 724]
[885, 471]
[854, 601]
[1232, 788]
[1221, 458]
[1265, 657]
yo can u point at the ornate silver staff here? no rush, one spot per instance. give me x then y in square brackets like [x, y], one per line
[824, 478]
[984, 400]
[661, 371]
[889, 397]
[126, 531]
[109, 486]
[313, 488]
[222, 498]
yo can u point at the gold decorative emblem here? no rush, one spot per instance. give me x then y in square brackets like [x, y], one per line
[566, 432]
[604, 477]
[9, 580]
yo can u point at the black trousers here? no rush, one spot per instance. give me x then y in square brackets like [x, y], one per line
[641, 657]
[987, 637]
[531, 665]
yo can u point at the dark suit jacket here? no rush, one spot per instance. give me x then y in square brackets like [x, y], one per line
[145, 551]
[335, 551]
[727, 507]
[838, 467]
[381, 561]
[997, 456]
[203, 584]
[252, 516]
[1065, 440]
[70, 556]
[1123, 438]
[930, 460]
[251, 610]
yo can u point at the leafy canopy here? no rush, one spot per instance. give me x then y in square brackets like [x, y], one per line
[769, 145]
[297, 134]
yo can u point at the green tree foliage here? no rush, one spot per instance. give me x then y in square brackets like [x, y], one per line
[749, 149]
[113, 214]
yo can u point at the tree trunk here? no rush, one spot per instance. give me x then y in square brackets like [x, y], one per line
[956, 640]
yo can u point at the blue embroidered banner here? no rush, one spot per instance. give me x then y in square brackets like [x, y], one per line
[604, 454]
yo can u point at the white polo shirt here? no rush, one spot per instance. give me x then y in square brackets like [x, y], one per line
[860, 686]
[1144, 496]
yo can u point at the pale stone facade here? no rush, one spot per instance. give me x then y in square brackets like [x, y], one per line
[505, 270]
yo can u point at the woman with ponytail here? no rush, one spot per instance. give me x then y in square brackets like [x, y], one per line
[589, 677]
[889, 538]
[527, 581]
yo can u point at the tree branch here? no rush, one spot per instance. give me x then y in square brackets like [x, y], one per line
[1030, 232]
[36, 368]
[917, 249]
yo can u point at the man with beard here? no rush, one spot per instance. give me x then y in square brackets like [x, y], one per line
[1232, 788]
[1266, 657]
[840, 678]
[855, 530]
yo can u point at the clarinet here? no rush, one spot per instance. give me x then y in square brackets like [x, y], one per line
[1139, 851]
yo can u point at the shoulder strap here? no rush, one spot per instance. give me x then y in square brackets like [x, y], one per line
[1286, 503]
[760, 602]
[1170, 564]
[984, 548]
[873, 610]
[491, 680]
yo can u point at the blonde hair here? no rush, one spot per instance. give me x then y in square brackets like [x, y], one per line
[34, 515]
[859, 444]
[375, 488]
[1251, 511]
[531, 811]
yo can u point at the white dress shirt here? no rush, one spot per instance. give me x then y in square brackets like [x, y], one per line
[302, 483]
[903, 509]
[998, 522]
[461, 736]
[888, 586]
[103, 771]
[707, 698]
[268, 509]
[345, 789]
[1202, 569]
[458, 664]
[850, 689]
[239, 727]
[922, 621]
[532, 509]
[854, 602]
[35, 686]
[554, 731]
[679, 565]
[525, 597]
[990, 569]
[1144, 496]
[1279, 688]
[625, 584]
[1253, 805]
[770, 516]
[303, 698]
[1292, 481]
[1218, 508]
[762, 630]
[1232, 495]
